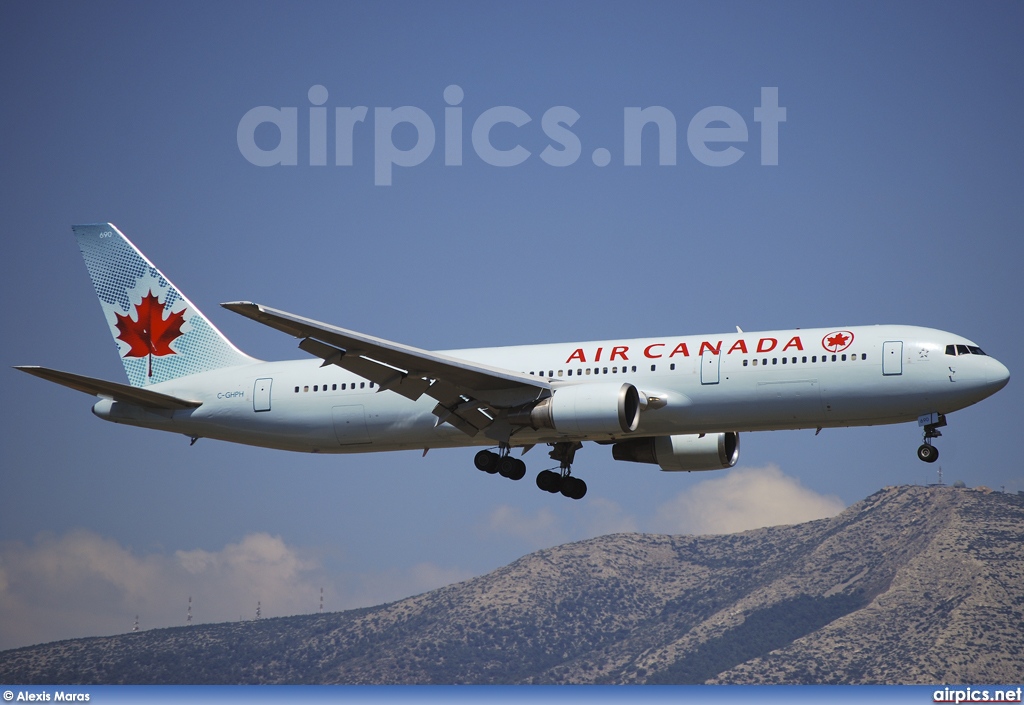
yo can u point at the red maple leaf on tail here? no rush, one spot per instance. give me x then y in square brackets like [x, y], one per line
[151, 334]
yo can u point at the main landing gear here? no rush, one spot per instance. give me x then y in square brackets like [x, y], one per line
[931, 423]
[563, 482]
[503, 464]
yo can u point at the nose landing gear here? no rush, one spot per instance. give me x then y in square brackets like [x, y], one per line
[931, 424]
[928, 453]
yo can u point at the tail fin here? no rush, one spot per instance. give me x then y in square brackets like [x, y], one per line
[160, 335]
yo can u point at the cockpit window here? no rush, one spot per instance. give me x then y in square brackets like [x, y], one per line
[964, 350]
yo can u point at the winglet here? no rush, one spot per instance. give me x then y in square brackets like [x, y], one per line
[256, 313]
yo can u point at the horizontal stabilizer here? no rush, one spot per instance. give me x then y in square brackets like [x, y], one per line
[111, 390]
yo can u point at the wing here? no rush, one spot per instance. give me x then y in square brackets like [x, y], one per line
[469, 395]
[111, 390]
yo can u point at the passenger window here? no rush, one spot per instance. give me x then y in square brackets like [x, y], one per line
[334, 387]
[745, 362]
[296, 390]
[559, 373]
[804, 359]
[784, 361]
[653, 367]
[362, 385]
[588, 370]
[775, 360]
[962, 350]
[844, 357]
[306, 388]
[863, 356]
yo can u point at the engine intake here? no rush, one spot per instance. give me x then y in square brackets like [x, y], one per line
[713, 451]
[597, 408]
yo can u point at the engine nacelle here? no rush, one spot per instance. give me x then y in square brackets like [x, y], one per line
[596, 408]
[713, 451]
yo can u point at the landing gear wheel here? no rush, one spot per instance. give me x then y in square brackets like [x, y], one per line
[519, 472]
[512, 468]
[573, 487]
[487, 461]
[928, 453]
[549, 481]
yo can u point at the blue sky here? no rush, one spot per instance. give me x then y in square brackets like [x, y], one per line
[896, 199]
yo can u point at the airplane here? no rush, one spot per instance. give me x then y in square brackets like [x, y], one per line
[676, 402]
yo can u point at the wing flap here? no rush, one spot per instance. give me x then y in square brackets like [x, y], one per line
[384, 376]
[110, 390]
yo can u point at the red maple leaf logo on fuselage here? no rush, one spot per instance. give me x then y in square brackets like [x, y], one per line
[151, 334]
[837, 341]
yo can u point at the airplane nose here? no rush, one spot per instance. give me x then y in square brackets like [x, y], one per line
[998, 375]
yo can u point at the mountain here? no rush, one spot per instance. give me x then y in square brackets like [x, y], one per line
[911, 585]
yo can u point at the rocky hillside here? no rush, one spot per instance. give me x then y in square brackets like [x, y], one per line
[911, 585]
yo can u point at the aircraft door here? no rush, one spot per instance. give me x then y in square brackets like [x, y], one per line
[710, 363]
[261, 394]
[892, 357]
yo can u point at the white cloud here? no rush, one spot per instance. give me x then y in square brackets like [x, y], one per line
[539, 530]
[574, 521]
[367, 589]
[599, 516]
[82, 584]
[746, 498]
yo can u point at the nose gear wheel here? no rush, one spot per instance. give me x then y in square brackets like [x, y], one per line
[926, 451]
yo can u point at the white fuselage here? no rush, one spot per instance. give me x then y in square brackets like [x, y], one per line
[803, 378]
